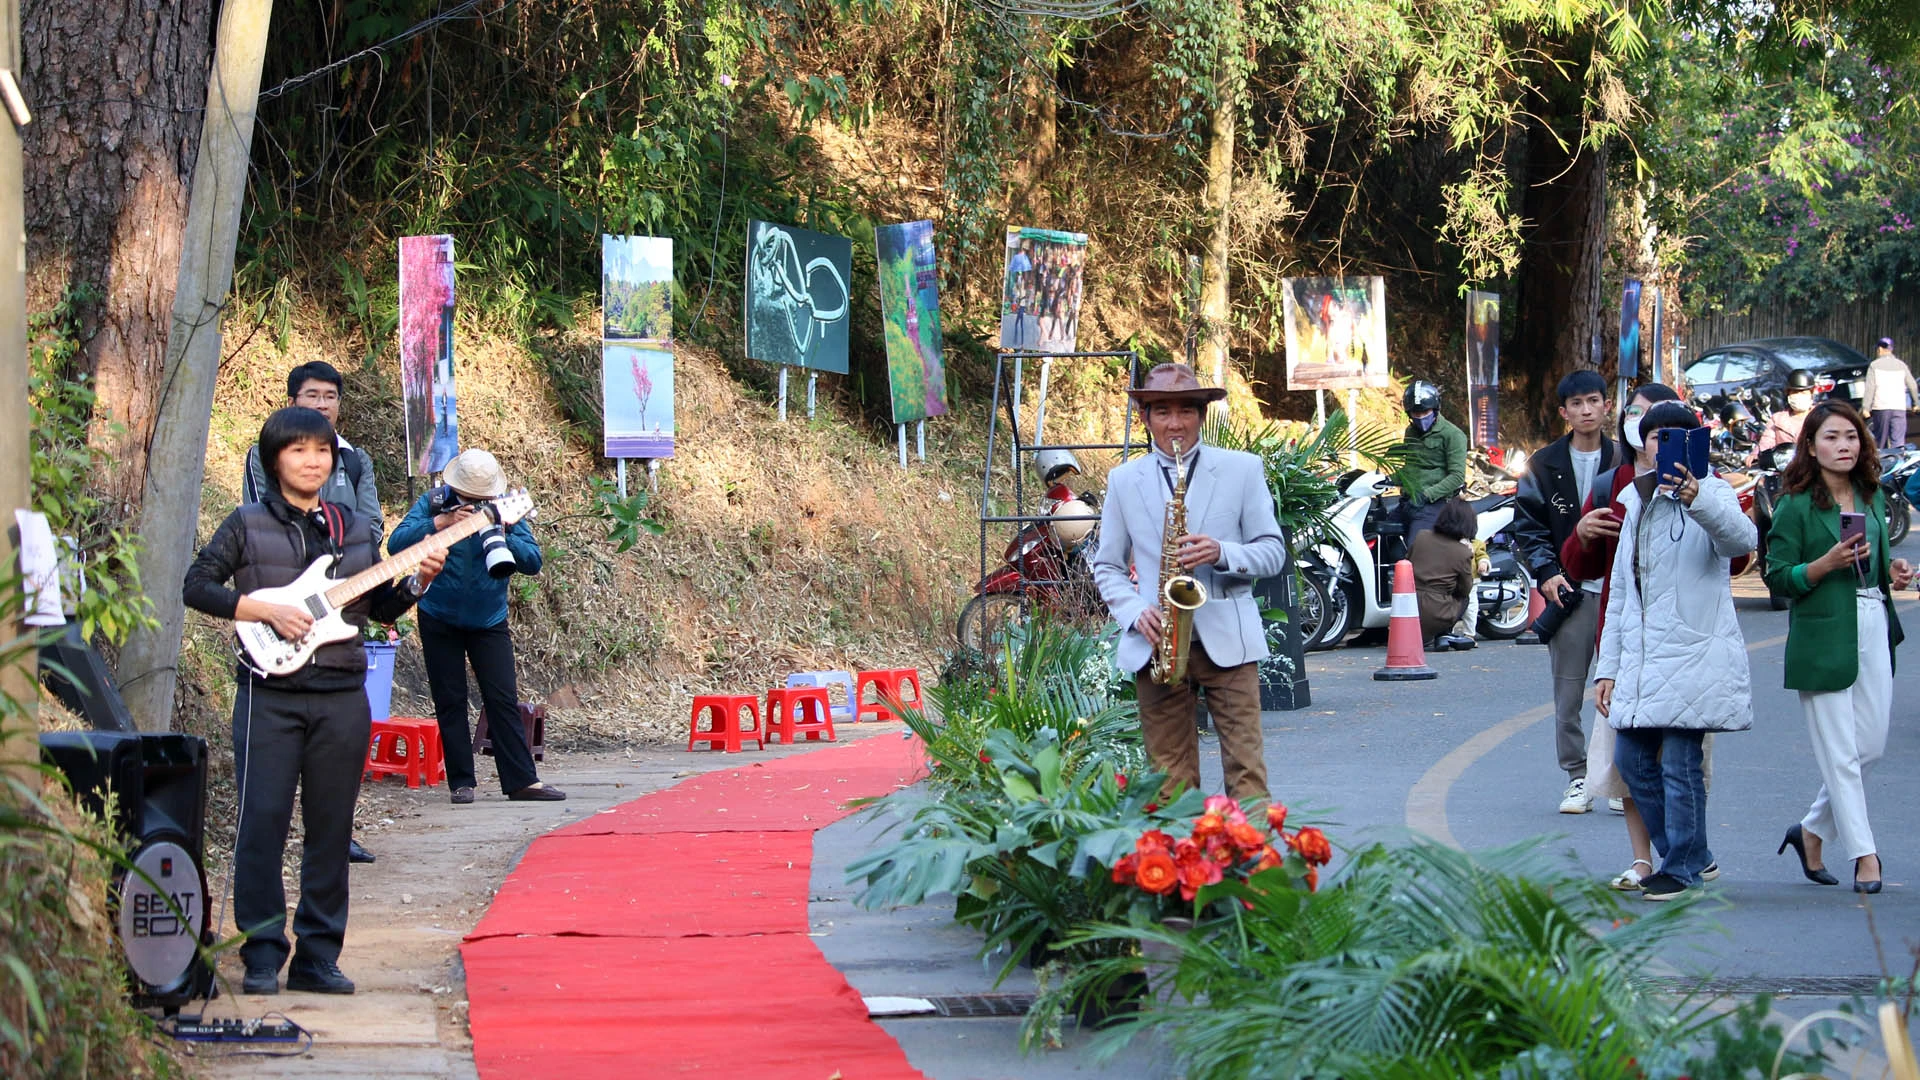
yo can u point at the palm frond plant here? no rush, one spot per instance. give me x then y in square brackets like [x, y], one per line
[1303, 469]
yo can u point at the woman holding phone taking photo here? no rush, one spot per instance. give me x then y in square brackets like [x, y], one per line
[1841, 629]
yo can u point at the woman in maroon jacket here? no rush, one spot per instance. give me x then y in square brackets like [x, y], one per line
[1588, 555]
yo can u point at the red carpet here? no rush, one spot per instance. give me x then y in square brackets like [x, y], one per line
[668, 936]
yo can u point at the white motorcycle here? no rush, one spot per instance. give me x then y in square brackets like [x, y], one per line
[1353, 560]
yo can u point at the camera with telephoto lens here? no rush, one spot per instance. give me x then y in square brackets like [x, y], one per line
[493, 539]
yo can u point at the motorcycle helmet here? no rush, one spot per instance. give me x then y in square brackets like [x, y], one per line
[1800, 379]
[1421, 396]
[1053, 464]
[1070, 533]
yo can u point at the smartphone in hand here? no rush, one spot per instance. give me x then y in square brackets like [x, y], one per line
[1670, 452]
[1853, 527]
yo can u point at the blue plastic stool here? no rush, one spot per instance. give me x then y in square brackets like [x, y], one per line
[842, 714]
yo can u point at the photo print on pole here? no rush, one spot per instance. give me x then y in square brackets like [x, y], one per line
[1336, 331]
[1630, 330]
[636, 346]
[426, 353]
[910, 312]
[1040, 297]
[1483, 367]
[797, 299]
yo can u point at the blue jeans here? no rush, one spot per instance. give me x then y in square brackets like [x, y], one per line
[1662, 768]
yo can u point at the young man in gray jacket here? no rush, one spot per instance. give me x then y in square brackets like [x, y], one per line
[317, 385]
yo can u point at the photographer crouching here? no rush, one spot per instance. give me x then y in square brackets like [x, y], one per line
[465, 622]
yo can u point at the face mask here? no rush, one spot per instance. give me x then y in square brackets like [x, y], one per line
[1634, 438]
[1425, 423]
[1800, 402]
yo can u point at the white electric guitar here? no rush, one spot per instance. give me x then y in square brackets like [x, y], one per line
[267, 653]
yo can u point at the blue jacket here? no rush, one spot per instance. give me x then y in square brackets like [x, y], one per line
[464, 595]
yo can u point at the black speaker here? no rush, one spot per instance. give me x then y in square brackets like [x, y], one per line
[158, 781]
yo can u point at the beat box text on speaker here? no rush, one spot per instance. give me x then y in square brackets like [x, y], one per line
[155, 915]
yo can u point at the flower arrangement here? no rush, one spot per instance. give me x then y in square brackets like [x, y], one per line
[1222, 843]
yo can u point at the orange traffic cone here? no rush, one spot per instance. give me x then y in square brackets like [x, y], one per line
[1406, 657]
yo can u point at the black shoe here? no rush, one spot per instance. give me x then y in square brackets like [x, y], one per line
[356, 853]
[317, 977]
[538, 792]
[1658, 887]
[1796, 840]
[462, 796]
[1868, 887]
[261, 980]
[1458, 643]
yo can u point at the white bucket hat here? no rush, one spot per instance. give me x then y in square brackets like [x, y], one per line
[476, 474]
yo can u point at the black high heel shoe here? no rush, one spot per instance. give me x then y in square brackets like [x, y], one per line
[1868, 887]
[1797, 842]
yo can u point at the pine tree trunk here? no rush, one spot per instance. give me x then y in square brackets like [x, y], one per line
[1559, 326]
[1216, 306]
[116, 87]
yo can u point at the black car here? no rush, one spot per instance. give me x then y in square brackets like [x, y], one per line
[1762, 366]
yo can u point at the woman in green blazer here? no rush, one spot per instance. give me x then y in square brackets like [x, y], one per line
[1841, 630]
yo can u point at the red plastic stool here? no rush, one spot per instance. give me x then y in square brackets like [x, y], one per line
[888, 682]
[726, 732]
[408, 747]
[793, 710]
[533, 722]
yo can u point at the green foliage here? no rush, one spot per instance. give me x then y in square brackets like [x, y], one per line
[64, 466]
[625, 518]
[1423, 961]
[1302, 468]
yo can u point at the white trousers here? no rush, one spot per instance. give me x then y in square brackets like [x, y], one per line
[1849, 732]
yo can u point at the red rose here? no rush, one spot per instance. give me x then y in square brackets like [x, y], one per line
[1152, 840]
[1313, 879]
[1196, 875]
[1123, 870]
[1221, 852]
[1156, 873]
[1269, 858]
[1187, 851]
[1313, 846]
[1245, 836]
[1207, 825]
[984, 759]
[1276, 816]
[1120, 778]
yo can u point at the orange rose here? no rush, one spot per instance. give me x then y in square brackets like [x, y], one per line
[1313, 846]
[1245, 836]
[1221, 853]
[1186, 851]
[1156, 873]
[1123, 870]
[1269, 858]
[1313, 879]
[1208, 825]
[1152, 840]
[1196, 875]
[1276, 816]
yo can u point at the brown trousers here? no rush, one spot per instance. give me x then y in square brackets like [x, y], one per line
[1167, 720]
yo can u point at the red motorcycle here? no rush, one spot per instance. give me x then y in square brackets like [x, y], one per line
[1045, 568]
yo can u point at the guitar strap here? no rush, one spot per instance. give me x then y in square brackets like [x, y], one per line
[336, 523]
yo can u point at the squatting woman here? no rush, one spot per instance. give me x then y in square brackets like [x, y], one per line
[1841, 630]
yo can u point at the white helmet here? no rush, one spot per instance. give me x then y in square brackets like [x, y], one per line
[1072, 532]
[1054, 463]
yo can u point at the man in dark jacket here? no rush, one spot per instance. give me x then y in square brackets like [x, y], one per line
[317, 385]
[1546, 509]
[465, 621]
[1436, 458]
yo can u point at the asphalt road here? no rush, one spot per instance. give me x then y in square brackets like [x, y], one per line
[1469, 758]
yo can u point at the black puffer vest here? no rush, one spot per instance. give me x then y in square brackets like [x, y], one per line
[279, 543]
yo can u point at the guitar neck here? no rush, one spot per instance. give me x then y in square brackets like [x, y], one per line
[407, 561]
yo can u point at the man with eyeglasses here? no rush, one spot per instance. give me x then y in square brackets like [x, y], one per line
[316, 385]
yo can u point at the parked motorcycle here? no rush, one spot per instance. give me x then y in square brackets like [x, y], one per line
[1897, 470]
[1046, 567]
[1352, 562]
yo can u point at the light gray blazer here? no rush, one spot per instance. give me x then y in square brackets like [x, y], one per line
[1228, 500]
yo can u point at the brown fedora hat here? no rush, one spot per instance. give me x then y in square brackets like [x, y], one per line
[1175, 382]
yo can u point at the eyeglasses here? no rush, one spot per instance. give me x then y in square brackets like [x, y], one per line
[318, 397]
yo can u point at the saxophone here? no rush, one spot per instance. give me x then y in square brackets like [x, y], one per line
[1181, 594]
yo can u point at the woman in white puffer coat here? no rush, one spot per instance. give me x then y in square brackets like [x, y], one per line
[1672, 664]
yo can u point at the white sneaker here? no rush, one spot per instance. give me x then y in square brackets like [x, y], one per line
[1617, 805]
[1576, 801]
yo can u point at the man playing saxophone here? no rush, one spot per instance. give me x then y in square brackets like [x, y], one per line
[1227, 539]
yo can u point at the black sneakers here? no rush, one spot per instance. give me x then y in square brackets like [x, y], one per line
[1658, 887]
[317, 977]
[261, 980]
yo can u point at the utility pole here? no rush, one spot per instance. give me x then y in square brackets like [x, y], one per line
[177, 456]
[18, 731]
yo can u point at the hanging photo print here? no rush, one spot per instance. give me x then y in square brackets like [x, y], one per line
[1336, 331]
[636, 346]
[797, 298]
[426, 352]
[1040, 299]
[910, 311]
[1630, 330]
[1483, 367]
